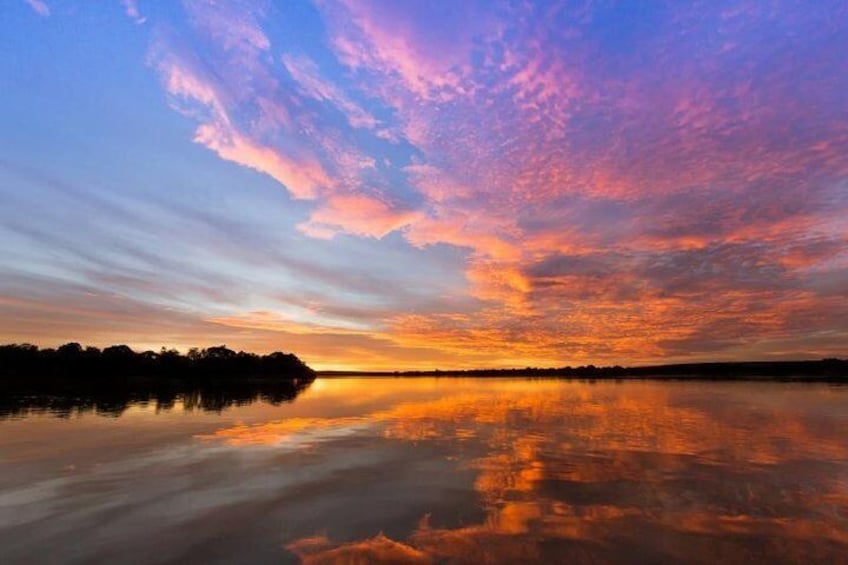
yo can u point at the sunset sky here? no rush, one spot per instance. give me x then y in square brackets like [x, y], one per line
[391, 184]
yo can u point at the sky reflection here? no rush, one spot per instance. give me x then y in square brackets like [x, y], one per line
[556, 464]
[449, 470]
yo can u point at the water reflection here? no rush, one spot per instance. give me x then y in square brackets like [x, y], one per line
[465, 471]
[607, 467]
[113, 398]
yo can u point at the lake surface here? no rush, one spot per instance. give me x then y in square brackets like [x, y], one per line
[363, 470]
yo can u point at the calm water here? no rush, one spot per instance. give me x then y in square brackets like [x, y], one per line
[437, 470]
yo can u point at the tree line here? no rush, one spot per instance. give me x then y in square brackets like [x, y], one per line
[72, 360]
[832, 369]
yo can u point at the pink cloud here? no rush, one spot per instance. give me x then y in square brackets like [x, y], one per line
[302, 178]
[40, 7]
[477, 232]
[306, 73]
[431, 62]
[132, 11]
[247, 118]
[236, 28]
[239, 51]
[181, 81]
[357, 214]
[436, 185]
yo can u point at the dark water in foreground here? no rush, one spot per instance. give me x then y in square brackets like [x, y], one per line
[438, 470]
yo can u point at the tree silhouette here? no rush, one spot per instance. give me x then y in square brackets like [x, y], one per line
[72, 379]
[73, 361]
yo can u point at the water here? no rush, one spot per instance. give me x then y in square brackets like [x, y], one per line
[435, 470]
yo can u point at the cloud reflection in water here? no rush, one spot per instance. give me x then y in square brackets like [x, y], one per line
[691, 472]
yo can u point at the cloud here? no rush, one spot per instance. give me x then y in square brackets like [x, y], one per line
[356, 214]
[305, 72]
[302, 176]
[132, 11]
[40, 7]
[263, 320]
[429, 62]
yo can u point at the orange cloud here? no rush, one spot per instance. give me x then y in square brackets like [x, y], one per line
[270, 321]
[358, 214]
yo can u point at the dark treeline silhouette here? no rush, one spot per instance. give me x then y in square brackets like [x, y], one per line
[71, 379]
[824, 370]
[72, 360]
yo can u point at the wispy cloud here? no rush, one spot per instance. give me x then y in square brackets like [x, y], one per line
[39, 6]
[302, 175]
[305, 72]
[132, 11]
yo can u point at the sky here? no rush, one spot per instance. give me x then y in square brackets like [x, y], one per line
[374, 184]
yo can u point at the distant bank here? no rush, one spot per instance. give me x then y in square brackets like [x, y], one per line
[834, 370]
